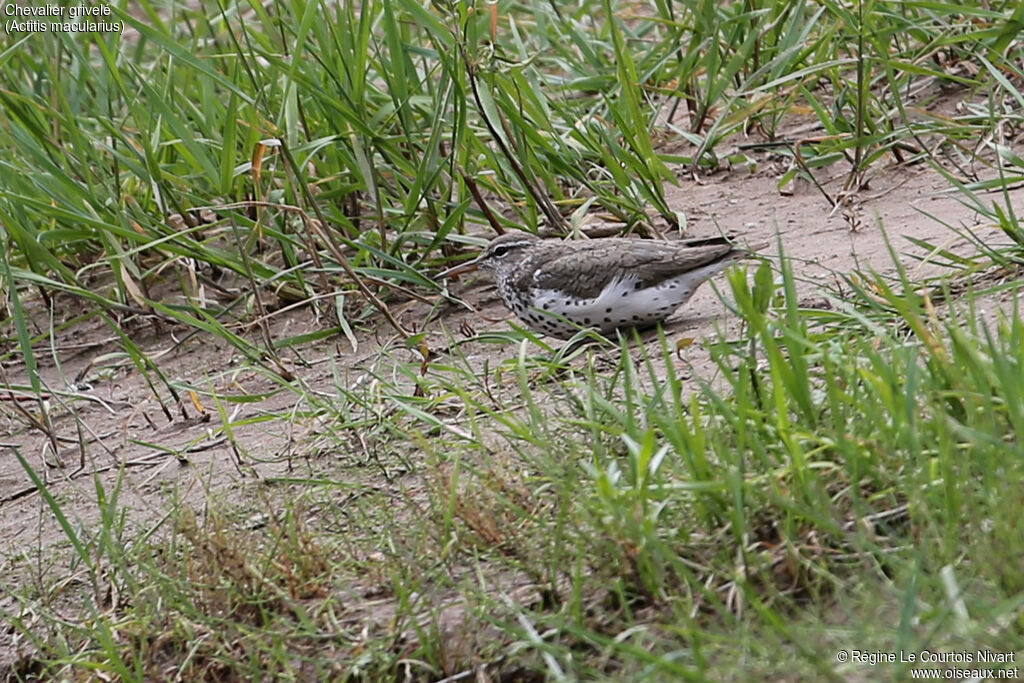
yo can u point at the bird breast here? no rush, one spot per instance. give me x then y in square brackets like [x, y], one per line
[622, 302]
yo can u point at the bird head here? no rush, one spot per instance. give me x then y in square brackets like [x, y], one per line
[498, 257]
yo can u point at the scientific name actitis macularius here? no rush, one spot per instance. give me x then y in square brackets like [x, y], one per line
[557, 287]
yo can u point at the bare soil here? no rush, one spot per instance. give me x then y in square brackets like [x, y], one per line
[128, 433]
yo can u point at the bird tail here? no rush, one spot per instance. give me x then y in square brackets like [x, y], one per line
[727, 239]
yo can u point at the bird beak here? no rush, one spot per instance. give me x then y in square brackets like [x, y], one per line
[461, 269]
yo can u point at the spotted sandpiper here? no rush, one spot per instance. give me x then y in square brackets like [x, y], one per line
[558, 287]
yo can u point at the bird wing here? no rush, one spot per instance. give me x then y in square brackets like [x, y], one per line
[592, 265]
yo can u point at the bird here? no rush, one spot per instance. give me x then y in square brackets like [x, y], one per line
[558, 287]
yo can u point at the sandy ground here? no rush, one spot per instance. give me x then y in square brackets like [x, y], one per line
[116, 415]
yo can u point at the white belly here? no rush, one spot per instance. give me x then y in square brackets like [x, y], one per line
[620, 304]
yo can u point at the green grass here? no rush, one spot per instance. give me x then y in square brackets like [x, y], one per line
[846, 478]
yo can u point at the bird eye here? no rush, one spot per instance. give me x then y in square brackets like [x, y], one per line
[500, 250]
